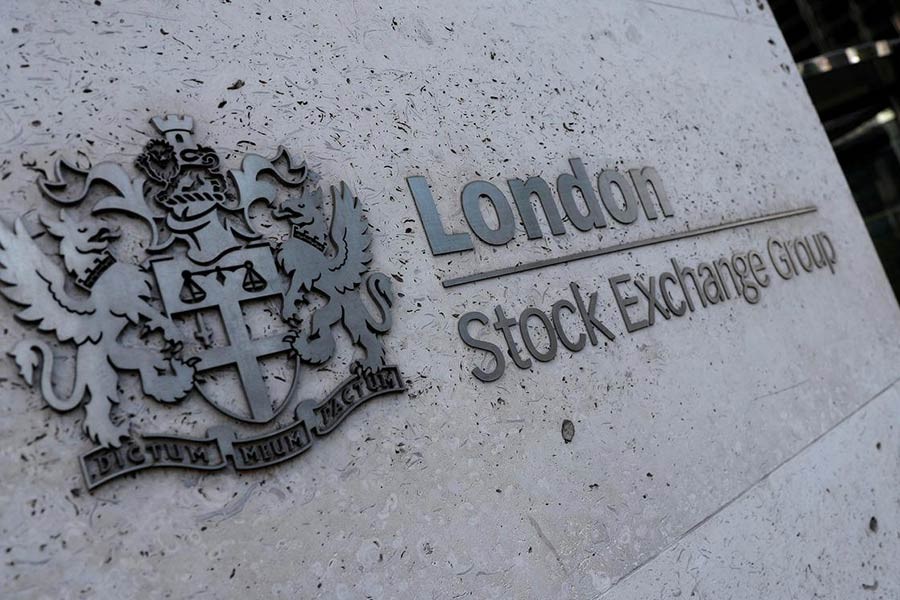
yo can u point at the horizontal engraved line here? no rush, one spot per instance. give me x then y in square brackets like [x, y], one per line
[550, 262]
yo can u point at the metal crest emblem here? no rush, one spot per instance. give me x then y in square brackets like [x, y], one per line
[178, 316]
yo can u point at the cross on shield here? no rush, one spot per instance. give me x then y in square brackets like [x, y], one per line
[241, 275]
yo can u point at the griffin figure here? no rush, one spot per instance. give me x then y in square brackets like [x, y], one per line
[116, 297]
[333, 263]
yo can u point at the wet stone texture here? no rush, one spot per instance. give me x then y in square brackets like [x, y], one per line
[771, 424]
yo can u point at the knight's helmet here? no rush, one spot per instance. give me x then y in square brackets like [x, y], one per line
[190, 185]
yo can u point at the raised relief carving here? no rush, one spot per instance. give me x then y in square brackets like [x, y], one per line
[203, 257]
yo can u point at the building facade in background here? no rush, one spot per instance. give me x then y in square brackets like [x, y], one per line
[848, 53]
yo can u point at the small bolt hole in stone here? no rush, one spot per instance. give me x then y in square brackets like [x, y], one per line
[568, 430]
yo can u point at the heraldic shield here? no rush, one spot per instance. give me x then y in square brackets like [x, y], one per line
[205, 262]
[238, 277]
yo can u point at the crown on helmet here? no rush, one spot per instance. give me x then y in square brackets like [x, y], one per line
[177, 130]
[167, 123]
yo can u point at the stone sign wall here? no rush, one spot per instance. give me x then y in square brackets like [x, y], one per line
[445, 300]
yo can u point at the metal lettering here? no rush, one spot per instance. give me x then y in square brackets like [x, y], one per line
[565, 186]
[528, 313]
[588, 315]
[522, 193]
[471, 204]
[492, 349]
[605, 182]
[560, 331]
[624, 302]
[653, 303]
[439, 240]
[504, 325]
[780, 262]
[681, 308]
[648, 183]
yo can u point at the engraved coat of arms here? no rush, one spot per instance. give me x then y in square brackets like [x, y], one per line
[178, 317]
